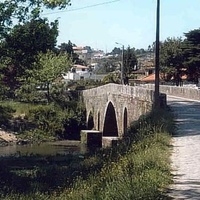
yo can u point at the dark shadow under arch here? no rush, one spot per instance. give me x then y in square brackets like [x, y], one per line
[90, 124]
[98, 125]
[110, 124]
[125, 121]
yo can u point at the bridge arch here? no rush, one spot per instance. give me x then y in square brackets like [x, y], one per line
[98, 121]
[115, 106]
[110, 127]
[125, 120]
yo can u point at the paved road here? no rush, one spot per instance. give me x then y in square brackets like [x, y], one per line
[186, 149]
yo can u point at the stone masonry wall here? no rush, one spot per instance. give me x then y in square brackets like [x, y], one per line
[136, 100]
[186, 92]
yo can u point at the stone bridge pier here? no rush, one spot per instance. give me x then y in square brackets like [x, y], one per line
[111, 108]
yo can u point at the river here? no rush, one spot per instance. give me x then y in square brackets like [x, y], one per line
[45, 149]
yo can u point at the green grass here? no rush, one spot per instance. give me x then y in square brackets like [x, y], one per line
[19, 107]
[138, 168]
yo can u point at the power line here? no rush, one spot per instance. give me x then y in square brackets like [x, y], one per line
[85, 7]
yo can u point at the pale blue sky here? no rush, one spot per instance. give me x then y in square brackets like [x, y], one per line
[130, 22]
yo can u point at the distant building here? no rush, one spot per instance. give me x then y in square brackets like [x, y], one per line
[77, 72]
[80, 72]
[83, 53]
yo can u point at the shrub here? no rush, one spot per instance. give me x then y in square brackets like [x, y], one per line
[5, 115]
[48, 119]
[75, 122]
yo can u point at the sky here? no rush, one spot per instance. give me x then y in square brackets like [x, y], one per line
[102, 23]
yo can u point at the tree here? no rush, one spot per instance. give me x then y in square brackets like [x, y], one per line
[116, 51]
[192, 54]
[171, 58]
[48, 67]
[66, 48]
[140, 51]
[113, 77]
[130, 61]
[21, 45]
[24, 10]
[22, 13]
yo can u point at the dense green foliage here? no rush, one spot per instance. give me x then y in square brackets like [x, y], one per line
[5, 115]
[192, 54]
[47, 68]
[20, 48]
[68, 48]
[24, 34]
[179, 57]
[171, 58]
[24, 10]
[137, 168]
[44, 122]
[130, 61]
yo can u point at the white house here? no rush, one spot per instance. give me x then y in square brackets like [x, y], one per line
[77, 72]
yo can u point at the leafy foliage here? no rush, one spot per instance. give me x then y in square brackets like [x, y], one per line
[5, 115]
[21, 46]
[24, 10]
[130, 61]
[116, 51]
[192, 54]
[47, 68]
[113, 77]
[68, 48]
[47, 119]
[171, 58]
[75, 122]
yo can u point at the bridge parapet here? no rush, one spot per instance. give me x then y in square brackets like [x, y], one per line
[185, 92]
[116, 89]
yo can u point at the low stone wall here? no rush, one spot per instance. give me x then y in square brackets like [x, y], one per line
[186, 92]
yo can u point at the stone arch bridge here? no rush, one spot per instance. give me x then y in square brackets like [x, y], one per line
[111, 108]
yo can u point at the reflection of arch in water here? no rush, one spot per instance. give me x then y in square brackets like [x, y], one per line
[90, 124]
[110, 124]
[125, 118]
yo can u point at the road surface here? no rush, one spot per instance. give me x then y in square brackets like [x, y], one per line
[186, 149]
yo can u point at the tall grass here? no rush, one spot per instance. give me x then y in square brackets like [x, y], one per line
[137, 168]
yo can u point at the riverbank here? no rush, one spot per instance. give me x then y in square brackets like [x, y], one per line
[7, 138]
[137, 168]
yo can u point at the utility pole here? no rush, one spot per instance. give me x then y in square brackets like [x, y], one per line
[157, 70]
[122, 69]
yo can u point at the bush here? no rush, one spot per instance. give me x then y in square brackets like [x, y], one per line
[5, 115]
[75, 122]
[48, 119]
[53, 121]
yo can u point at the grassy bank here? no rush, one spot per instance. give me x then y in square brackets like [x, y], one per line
[137, 168]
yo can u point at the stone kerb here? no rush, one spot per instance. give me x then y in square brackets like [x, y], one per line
[190, 93]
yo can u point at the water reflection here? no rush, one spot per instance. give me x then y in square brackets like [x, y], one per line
[47, 148]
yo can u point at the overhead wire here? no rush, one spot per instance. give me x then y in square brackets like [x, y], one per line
[81, 8]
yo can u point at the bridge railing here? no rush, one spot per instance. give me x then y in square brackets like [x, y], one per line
[185, 92]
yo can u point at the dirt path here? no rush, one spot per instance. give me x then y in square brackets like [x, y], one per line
[186, 149]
